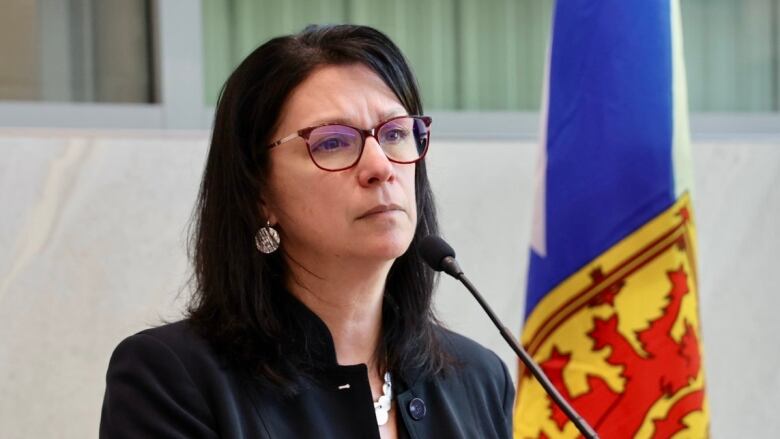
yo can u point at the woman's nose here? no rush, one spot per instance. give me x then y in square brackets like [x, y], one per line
[374, 166]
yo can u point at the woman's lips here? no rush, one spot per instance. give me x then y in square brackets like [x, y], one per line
[380, 209]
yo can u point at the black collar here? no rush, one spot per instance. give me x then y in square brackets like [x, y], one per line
[312, 335]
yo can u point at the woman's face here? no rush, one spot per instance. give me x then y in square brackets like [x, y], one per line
[323, 217]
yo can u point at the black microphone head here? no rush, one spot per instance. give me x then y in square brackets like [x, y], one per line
[433, 250]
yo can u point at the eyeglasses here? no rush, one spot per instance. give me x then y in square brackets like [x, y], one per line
[336, 147]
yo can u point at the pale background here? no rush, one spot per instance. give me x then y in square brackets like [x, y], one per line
[92, 249]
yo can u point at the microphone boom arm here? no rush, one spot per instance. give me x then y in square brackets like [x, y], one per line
[452, 268]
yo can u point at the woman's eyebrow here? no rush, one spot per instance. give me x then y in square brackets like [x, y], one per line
[345, 121]
[394, 113]
[329, 120]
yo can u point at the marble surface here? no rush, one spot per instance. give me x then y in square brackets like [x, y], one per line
[93, 248]
[92, 234]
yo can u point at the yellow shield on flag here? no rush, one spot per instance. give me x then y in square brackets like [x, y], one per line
[620, 339]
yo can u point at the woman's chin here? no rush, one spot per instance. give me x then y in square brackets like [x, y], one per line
[386, 247]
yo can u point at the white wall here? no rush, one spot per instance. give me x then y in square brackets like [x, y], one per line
[93, 226]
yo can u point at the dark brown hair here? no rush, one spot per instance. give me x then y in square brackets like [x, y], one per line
[236, 303]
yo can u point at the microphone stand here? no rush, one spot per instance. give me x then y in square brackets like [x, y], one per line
[579, 422]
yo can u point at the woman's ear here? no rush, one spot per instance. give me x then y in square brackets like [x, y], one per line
[266, 213]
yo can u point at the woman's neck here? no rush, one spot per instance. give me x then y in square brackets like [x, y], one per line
[349, 301]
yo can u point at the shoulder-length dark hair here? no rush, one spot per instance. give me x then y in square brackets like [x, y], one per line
[234, 304]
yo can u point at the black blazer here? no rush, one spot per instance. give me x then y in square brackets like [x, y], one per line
[167, 382]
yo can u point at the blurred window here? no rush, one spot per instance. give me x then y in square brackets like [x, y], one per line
[77, 51]
[489, 55]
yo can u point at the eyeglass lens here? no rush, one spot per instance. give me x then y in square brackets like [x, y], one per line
[338, 146]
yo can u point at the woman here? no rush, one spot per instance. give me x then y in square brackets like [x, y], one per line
[311, 315]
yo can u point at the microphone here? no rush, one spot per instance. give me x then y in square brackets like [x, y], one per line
[441, 257]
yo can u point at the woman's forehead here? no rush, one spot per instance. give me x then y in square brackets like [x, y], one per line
[351, 94]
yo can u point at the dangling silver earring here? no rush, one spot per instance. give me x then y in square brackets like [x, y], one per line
[267, 239]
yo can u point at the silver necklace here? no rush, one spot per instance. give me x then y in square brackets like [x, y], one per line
[383, 404]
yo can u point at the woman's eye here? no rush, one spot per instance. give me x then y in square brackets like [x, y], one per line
[330, 144]
[395, 135]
